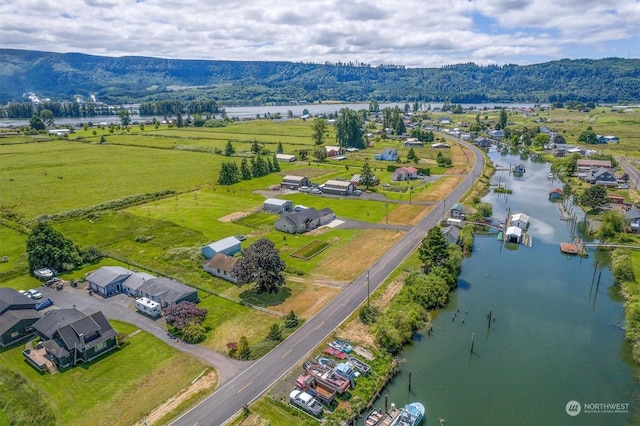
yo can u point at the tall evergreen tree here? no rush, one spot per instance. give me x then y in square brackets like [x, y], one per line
[275, 163]
[350, 129]
[319, 131]
[245, 171]
[366, 175]
[229, 150]
[433, 250]
[280, 148]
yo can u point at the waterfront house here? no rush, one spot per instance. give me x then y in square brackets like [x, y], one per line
[556, 194]
[229, 246]
[482, 142]
[632, 216]
[587, 165]
[520, 220]
[17, 316]
[602, 176]
[457, 211]
[276, 205]
[222, 266]
[451, 234]
[518, 168]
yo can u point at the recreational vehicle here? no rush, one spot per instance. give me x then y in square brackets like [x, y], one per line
[148, 307]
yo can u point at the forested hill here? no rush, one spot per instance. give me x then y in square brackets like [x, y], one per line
[136, 79]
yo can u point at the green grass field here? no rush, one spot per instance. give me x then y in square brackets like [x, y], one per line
[101, 392]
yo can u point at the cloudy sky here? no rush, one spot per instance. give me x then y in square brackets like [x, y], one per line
[414, 33]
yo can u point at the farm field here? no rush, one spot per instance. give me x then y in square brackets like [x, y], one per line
[103, 390]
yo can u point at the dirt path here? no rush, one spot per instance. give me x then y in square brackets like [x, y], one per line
[207, 382]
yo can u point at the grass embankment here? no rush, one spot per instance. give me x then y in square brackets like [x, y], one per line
[99, 392]
[625, 265]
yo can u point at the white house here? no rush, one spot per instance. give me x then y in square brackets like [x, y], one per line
[229, 245]
[520, 220]
[513, 234]
[221, 266]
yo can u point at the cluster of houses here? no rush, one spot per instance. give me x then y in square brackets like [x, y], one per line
[65, 337]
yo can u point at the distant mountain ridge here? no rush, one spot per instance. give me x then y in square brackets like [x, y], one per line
[117, 80]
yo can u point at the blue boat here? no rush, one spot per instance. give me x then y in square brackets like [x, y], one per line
[410, 415]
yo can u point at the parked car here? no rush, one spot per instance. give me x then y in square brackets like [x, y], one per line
[44, 304]
[306, 402]
[316, 191]
[624, 186]
[23, 292]
[357, 192]
[303, 189]
[34, 294]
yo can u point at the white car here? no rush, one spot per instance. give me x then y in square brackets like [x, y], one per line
[34, 294]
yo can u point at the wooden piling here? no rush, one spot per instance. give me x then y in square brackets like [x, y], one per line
[472, 339]
[409, 381]
[386, 398]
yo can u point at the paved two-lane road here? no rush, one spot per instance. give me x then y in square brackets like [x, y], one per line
[260, 376]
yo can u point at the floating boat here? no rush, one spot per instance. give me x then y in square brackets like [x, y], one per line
[337, 353]
[374, 418]
[305, 401]
[328, 378]
[569, 248]
[361, 366]
[410, 415]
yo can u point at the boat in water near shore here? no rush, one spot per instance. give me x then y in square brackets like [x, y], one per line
[410, 415]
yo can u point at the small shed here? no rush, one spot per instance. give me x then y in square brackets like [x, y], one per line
[513, 234]
[294, 182]
[556, 194]
[287, 158]
[518, 168]
[229, 246]
[276, 205]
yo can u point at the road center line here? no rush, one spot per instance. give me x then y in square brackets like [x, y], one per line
[245, 386]
[288, 352]
[321, 324]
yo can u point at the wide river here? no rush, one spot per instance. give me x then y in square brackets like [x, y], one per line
[557, 335]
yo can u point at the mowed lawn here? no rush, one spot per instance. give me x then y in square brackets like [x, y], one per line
[12, 245]
[57, 176]
[117, 389]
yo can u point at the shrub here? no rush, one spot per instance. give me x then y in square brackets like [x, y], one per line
[275, 333]
[194, 332]
[183, 314]
[369, 314]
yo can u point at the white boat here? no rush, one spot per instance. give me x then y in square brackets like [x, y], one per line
[410, 415]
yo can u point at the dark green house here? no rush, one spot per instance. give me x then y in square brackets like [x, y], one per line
[17, 316]
[69, 337]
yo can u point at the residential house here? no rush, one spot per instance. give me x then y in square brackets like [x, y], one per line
[444, 120]
[229, 246]
[586, 165]
[457, 211]
[404, 173]
[632, 216]
[520, 220]
[131, 285]
[333, 151]
[451, 234]
[560, 150]
[482, 142]
[221, 266]
[304, 220]
[17, 316]
[167, 291]
[286, 158]
[276, 205]
[413, 142]
[68, 337]
[496, 134]
[602, 176]
[107, 280]
[338, 187]
[513, 234]
[355, 179]
[556, 194]
[294, 182]
[387, 154]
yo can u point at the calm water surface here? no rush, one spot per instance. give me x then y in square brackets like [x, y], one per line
[557, 336]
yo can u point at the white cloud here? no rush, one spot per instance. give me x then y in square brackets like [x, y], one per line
[412, 32]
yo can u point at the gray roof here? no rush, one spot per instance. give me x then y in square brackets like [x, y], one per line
[167, 290]
[277, 202]
[55, 347]
[11, 299]
[56, 319]
[70, 324]
[136, 279]
[602, 171]
[223, 244]
[11, 318]
[106, 275]
[632, 214]
[303, 216]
